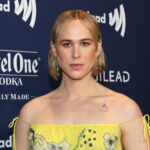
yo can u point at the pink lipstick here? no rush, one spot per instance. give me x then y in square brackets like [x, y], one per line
[76, 66]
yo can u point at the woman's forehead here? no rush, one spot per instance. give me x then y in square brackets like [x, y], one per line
[75, 30]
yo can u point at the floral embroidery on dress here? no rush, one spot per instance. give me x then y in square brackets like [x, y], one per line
[110, 141]
[86, 139]
[38, 142]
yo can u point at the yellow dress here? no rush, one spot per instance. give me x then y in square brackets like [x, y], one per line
[77, 136]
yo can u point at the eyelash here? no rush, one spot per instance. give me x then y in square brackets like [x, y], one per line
[66, 44]
[84, 44]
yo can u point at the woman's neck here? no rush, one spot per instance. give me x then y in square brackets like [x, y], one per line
[75, 89]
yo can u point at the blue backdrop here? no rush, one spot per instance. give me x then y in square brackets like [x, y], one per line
[24, 44]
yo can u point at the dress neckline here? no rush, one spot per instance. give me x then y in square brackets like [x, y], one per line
[76, 124]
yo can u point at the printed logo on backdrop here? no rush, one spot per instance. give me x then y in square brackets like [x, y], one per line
[26, 8]
[15, 67]
[113, 76]
[115, 18]
[6, 143]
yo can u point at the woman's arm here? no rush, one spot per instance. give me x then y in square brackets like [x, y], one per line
[21, 135]
[22, 127]
[135, 135]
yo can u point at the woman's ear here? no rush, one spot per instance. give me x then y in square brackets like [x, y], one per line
[53, 48]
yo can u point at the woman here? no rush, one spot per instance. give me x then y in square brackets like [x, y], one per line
[80, 114]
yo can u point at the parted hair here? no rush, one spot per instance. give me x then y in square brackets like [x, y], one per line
[57, 30]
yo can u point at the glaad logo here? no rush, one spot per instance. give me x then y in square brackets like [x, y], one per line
[116, 18]
[6, 143]
[28, 7]
[5, 7]
[28, 10]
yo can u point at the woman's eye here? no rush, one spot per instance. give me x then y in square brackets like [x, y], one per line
[66, 44]
[85, 43]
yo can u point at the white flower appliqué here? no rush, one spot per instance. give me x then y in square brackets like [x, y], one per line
[110, 141]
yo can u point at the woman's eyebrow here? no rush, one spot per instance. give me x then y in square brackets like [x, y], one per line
[70, 40]
[65, 40]
[86, 39]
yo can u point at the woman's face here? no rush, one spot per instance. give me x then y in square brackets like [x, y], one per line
[76, 50]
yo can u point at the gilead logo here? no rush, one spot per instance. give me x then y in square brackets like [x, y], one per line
[6, 143]
[27, 7]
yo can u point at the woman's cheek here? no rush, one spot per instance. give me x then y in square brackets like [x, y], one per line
[90, 57]
[63, 57]
[61, 54]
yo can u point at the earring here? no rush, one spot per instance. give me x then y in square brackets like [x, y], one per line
[97, 63]
[57, 68]
[57, 65]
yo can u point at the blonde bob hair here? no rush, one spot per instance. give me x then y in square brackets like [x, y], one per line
[57, 30]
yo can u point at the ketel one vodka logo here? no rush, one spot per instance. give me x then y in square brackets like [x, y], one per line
[15, 64]
[27, 7]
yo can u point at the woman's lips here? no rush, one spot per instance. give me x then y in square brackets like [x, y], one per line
[76, 66]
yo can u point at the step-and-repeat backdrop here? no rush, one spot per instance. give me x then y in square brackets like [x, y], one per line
[24, 44]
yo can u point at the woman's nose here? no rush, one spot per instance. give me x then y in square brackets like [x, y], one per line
[76, 52]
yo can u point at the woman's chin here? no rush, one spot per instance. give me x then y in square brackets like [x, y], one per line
[78, 76]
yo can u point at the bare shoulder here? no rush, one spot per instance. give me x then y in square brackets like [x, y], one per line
[31, 108]
[126, 107]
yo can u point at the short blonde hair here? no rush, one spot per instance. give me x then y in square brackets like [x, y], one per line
[56, 32]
